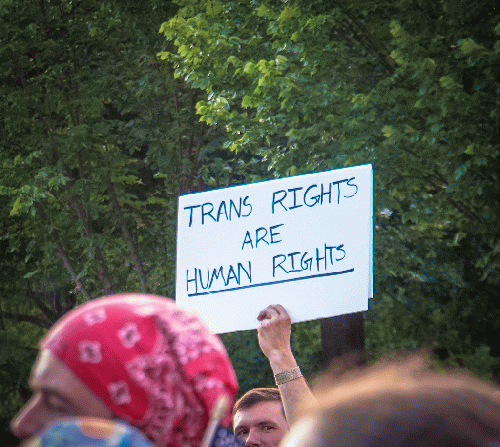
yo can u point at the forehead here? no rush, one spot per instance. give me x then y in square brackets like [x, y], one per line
[49, 373]
[51, 378]
[270, 411]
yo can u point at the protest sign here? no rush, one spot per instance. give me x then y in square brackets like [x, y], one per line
[304, 242]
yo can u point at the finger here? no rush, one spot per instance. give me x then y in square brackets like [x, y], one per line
[281, 310]
[264, 315]
[267, 313]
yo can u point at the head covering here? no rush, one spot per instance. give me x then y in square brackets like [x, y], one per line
[88, 432]
[152, 363]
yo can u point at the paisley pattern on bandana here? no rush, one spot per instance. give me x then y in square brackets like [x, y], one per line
[90, 351]
[129, 335]
[150, 362]
[119, 392]
[98, 316]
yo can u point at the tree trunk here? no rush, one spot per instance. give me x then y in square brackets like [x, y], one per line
[343, 336]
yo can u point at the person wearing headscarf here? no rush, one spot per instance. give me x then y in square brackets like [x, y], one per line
[134, 357]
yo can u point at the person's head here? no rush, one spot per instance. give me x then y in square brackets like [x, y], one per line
[135, 357]
[259, 418]
[401, 405]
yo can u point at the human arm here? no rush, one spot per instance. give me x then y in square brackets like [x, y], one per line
[274, 341]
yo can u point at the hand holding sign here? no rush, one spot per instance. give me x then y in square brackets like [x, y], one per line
[274, 337]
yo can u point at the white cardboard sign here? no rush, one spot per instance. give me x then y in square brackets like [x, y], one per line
[304, 242]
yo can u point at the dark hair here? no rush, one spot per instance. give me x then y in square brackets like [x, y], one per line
[405, 405]
[255, 396]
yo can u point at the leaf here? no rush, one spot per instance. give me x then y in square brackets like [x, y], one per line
[461, 170]
[30, 274]
[15, 207]
[468, 45]
[388, 131]
[201, 83]
[448, 83]
[249, 68]
[214, 7]
[429, 65]
[262, 11]
[246, 102]
[396, 29]
[281, 59]
[288, 13]
[233, 60]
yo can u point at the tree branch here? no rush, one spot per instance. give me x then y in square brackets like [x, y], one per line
[64, 257]
[49, 314]
[28, 318]
[179, 139]
[102, 270]
[365, 39]
[62, 254]
[126, 234]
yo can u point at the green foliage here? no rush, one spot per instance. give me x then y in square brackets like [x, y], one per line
[306, 345]
[271, 83]
[410, 87]
[251, 366]
[96, 141]
[96, 146]
[16, 361]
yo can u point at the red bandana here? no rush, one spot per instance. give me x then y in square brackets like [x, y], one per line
[153, 364]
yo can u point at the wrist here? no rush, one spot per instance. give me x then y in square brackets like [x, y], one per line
[287, 376]
[282, 362]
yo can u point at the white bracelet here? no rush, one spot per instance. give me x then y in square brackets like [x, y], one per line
[287, 376]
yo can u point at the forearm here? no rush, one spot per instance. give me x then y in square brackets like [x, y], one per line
[294, 393]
